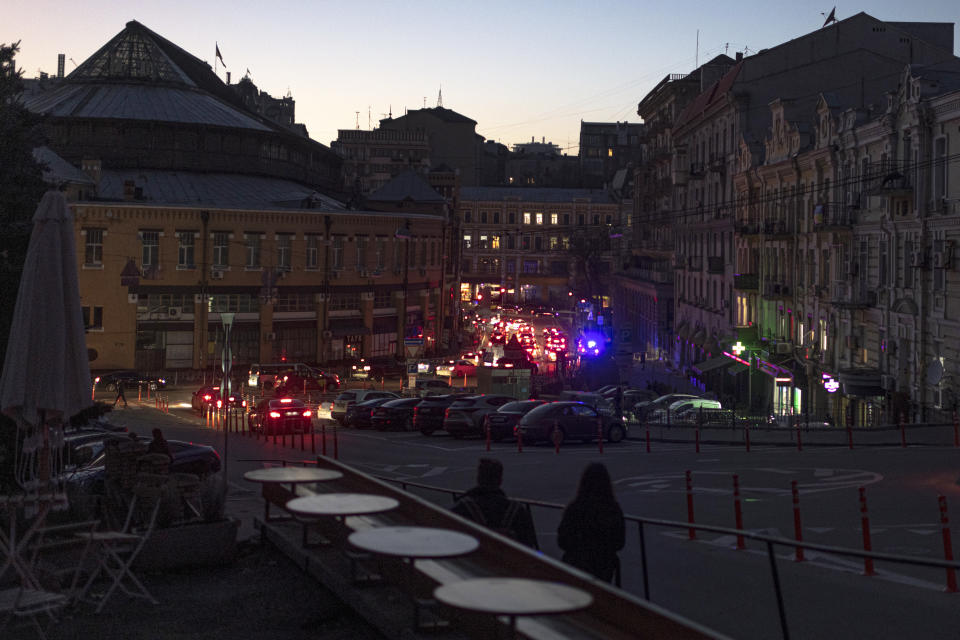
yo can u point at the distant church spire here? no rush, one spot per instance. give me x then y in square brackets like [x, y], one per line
[440, 97]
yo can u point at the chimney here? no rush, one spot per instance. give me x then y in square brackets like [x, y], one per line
[92, 167]
[228, 77]
[739, 56]
[61, 61]
[544, 140]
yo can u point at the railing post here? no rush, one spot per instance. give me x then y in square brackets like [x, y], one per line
[947, 545]
[784, 630]
[643, 560]
[737, 510]
[865, 525]
[323, 438]
[797, 529]
[691, 532]
[746, 433]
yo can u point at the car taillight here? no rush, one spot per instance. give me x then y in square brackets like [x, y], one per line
[274, 414]
[446, 414]
[371, 413]
[207, 397]
[415, 411]
[306, 414]
[331, 406]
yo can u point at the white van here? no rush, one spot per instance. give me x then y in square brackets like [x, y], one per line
[686, 410]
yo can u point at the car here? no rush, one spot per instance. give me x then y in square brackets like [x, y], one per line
[130, 379]
[208, 397]
[338, 409]
[683, 410]
[273, 416]
[359, 413]
[292, 382]
[464, 368]
[502, 421]
[431, 387]
[561, 421]
[88, 474]
[428, 414]
[465, 416]
[595, 400]
[378, 368]
[642, 409]
[395, 414]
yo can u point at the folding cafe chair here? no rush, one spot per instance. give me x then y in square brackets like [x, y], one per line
[48, 575]
[117, 550]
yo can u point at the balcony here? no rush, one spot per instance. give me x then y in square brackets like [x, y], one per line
[746, 227]
[697, 170]
[746, 282]
[776, 290]
[847, 296]
[834, 216]
[695, 263]
[889, 179]
[778, 229]
[715, 264]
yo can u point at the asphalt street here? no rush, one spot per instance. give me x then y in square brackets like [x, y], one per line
[706, 579]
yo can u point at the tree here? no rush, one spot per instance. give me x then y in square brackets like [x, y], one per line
[21, 182]
[587, 249]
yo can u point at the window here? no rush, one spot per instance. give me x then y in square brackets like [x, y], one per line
[467, 241]
[511, 218]
[185, 255]
[494, 242]
[284, 250]
[554, 218]
[596, 219]
[609, 219]
[483, 217]
[511, 266]
[383, 300]
[483, 242]
[538, 243]
[539, 218]
[510, 241]
[93, 318]
[251, 242]
[361, 243]
[221, 249]
[423, 254]
[581, 219]
[294, 302]
[526, 217]
[496, 217]
[93, 249]
[467, 216]
[397, 256]
[566, 218]
[529, 266]
[150, 248]
[554, 243]
[312, 252]
[381, 252]
[526, 242]
[345, 302]
[337, 252]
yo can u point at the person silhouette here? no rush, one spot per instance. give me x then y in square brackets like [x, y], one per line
[120, 395]
[592, 529]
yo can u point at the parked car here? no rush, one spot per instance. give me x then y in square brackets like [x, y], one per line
[683, 410]
[358, 414]
[572, 421]
[281, 415]
[464, 417]
[395, 414]
[338, 410]
[377, 368]
[130, 379]
[208, 397]
[292, 382]
[503, 420]
[643, 409]
[591, 399]
[428, 414]
[431, 387]
[188, 457]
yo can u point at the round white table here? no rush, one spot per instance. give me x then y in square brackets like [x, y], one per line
[341, 504]
[288, 475]
[412, 543]
[513, 597]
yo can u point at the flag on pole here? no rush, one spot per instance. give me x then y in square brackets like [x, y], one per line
[217, 47]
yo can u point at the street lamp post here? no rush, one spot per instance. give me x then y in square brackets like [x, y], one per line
[226, 362]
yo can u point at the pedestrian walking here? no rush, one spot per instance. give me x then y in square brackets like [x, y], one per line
[120, 396]
[592, 529]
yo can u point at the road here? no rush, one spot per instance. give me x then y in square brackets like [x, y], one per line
[708, 579]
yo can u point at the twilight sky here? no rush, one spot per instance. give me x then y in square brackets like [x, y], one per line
[520, 68]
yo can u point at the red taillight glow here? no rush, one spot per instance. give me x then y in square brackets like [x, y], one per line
[207, 397]
[286, 400]
[307, 413]
[274, 414]
[446, 414]
[219, 404]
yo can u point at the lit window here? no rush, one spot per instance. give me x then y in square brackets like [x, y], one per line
[494, 242]
[526, 217]
[554, 218]
[609, 153]
[539, 218]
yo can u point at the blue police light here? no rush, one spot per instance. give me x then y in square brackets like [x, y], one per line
[591, 344]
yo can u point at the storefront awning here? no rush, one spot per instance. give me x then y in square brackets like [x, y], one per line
[737, 368]
[713, 363]
[342, 328]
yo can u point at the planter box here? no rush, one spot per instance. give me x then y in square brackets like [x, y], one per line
[191, 545]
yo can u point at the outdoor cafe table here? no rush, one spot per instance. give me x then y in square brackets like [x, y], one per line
[512, 597]
[288, 476]
[413, 543]
[339, 505]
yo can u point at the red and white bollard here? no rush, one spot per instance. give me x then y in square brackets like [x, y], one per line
[737, 510]
[865, 525]
[692, 533]
[696, 434]
[947, 545]
[797, 528]
[746, 437]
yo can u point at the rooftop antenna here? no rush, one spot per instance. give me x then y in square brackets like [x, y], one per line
[696, 56]
[830, 18]
[424, 102]
[358, 120]
[440, 97]
[369, 121]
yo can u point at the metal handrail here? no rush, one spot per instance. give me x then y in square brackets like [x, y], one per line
[768, 540]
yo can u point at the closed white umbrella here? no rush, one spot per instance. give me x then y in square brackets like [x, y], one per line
[46, 373]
